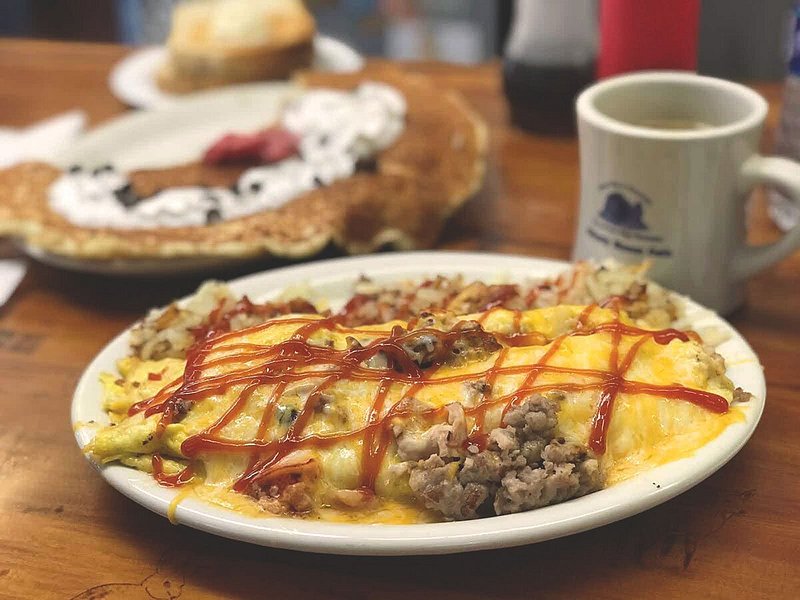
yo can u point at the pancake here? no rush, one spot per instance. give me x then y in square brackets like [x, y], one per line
[416, 184]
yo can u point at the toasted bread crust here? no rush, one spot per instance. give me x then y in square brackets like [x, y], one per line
[183, 74]
[197, 60]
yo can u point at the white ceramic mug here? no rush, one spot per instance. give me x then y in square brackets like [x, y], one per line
[667, 162]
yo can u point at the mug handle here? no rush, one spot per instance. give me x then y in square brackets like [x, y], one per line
[784, 174]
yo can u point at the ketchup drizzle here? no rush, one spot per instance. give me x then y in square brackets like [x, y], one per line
[297, 360]
[176, 480]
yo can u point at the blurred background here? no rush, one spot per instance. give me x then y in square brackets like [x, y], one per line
[739, 39]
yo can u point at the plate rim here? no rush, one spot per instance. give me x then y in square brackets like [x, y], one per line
[128, 267]
[605, 506]
[271, 93]
[139, 98]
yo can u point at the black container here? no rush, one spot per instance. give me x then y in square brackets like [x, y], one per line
[549, 58]
[541, 99]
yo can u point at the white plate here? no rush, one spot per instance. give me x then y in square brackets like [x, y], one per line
[131, 267]
[164, 137]
[133, 79]
[180, 132]
[334, 279]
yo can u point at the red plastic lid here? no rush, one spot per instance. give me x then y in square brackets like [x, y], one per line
[637, 35]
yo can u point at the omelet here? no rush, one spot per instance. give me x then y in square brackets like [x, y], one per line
[443, 417]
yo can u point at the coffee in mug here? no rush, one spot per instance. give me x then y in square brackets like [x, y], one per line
[667, 162]
[671, 123]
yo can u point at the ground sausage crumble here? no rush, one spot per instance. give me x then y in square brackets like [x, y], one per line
[524, 465]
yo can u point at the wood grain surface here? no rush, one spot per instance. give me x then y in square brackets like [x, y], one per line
[64, 533]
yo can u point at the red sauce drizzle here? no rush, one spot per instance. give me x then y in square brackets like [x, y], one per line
[477, 435]
[176, 480]
[374, 446]
[297, 360]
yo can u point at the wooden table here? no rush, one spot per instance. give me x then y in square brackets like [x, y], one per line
[65, 533]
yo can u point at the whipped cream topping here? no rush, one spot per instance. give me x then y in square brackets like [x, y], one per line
[337, 129]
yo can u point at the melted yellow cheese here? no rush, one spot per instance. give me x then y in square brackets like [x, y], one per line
[645, 430]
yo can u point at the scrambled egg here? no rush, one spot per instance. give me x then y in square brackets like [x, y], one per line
[645, 430]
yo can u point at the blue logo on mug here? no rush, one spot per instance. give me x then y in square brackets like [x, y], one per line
[620, 223]
[620, 211]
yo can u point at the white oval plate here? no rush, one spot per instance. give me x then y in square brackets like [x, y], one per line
[133, 79]
[334, 279]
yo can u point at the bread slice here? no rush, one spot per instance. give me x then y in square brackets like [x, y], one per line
[219, 42]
